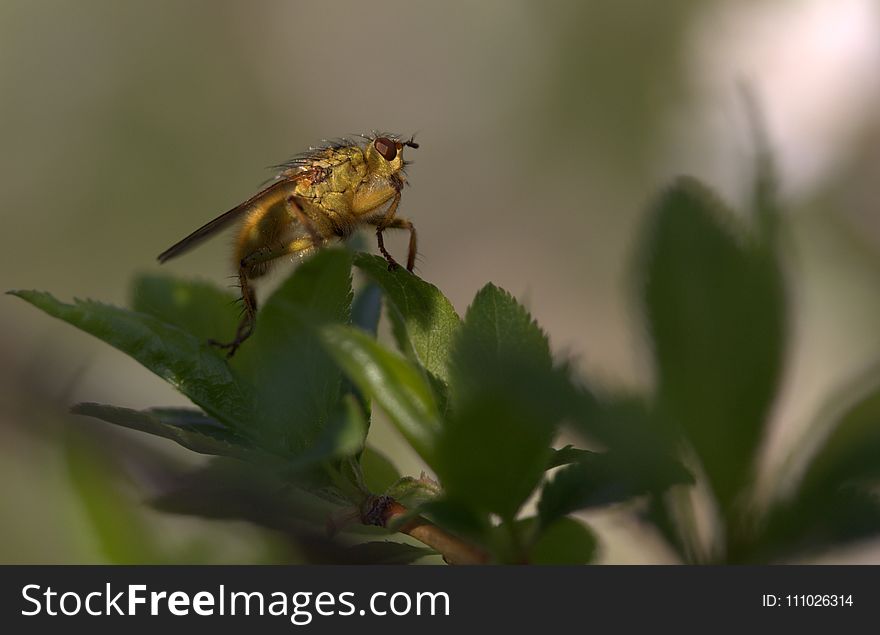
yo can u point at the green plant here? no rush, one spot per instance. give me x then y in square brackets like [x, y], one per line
[481, 400]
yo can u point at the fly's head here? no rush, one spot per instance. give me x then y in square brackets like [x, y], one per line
[384, 156]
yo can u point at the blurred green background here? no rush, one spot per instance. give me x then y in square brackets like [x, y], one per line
[545, 131]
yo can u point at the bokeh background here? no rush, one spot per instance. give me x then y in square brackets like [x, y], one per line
[546, 129]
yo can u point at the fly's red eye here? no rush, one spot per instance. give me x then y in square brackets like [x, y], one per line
[386, 147]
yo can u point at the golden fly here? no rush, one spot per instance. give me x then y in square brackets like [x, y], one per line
[318, 196]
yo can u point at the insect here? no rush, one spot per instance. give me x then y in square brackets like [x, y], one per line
[318, 196]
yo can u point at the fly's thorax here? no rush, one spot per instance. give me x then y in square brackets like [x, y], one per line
[340, 171]
[373, 193]
[351, 182]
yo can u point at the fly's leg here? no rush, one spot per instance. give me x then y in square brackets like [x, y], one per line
[248, 265]
[392, 263]
[248, 320]
[398, 223]
[304, 220]
[389, 221]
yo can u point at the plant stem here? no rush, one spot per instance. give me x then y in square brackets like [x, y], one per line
[384, 510]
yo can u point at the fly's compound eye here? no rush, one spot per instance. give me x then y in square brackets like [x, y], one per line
[386, 147]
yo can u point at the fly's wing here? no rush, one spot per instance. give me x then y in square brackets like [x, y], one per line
[224, 220]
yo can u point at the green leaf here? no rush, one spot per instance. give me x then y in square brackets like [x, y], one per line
[506, 402]
[379, 472]
[566, 455]
[458, 519]
[851, 452]
[492, 454]
[671, 515]
[716, 310]
[190, 428]
[386, 552]
[232, 490]
[367, 308]
[603, 478]
[392, 381]
[620, 422]
[813, 521]
[116, 519]
[413, 492]
[497, 332]
[833, 503]
[527, 541]
[424, 320]
[185, 361]
[628, 426]
[365, 313]
[343, 436]
[197, 307]
[297, 385]
[566, 541]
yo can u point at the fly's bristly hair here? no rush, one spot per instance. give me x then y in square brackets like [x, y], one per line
[403, 168]
[375, 134]
[310, 157]
[304, 160]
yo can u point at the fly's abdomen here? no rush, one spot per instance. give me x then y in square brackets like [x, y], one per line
[262, 229]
